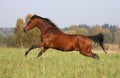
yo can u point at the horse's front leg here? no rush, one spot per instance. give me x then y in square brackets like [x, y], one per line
[42, 51]
[32, 47]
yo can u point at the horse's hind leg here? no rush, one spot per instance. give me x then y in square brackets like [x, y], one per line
[32, 47]
[89, 54]
[86, 53]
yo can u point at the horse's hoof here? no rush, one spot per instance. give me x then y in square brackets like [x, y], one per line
[97, 57]
[26, 54]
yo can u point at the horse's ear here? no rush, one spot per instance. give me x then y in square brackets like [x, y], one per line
[34, 16]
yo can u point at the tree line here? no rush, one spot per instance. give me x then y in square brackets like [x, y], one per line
[21, 39]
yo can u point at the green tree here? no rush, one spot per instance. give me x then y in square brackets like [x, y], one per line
[83, 31]
[28, 16]
[95, 30]
[76, 29]
[25, 39]
[117, 36]
[19, 34]
[107, 35]
[2, 40]
[73, 29]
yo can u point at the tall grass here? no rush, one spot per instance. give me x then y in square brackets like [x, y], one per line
[57, 64]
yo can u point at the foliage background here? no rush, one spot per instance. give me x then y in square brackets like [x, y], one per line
[15, 37]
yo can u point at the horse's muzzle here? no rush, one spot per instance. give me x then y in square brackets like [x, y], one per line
[25, 30]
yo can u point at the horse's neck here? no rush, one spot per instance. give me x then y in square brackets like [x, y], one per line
[47, 28]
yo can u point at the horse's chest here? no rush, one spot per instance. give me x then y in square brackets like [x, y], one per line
[48, 40]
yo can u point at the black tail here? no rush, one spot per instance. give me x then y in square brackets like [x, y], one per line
[99, 38]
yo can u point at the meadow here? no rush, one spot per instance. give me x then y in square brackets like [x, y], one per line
[57, 64]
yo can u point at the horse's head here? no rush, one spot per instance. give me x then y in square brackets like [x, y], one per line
[32, 23]
[40, 22]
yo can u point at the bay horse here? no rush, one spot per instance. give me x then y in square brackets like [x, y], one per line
[53, 37]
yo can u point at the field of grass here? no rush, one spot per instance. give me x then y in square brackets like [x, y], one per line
[56, 64]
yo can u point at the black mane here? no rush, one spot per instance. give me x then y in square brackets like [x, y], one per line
[45, 19]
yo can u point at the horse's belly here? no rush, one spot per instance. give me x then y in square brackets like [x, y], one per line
[64, 46]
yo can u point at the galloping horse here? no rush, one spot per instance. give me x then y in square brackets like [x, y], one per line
[53, 37]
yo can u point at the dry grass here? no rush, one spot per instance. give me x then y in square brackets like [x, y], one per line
[57, 64]
[110, 48]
